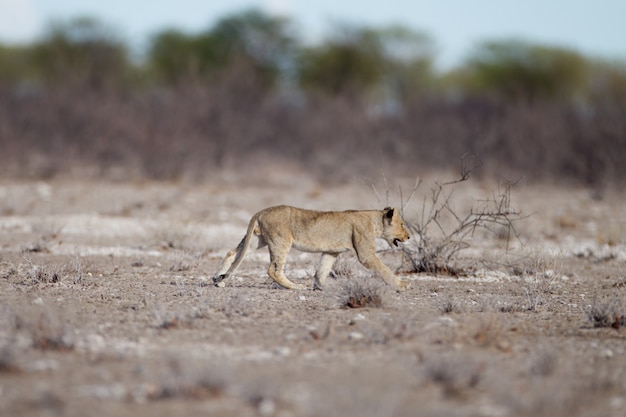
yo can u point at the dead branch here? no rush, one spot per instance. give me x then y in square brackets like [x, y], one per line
[443, 232]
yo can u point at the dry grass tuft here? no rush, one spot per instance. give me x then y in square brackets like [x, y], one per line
[184, 261]
[182, 382]
[47, 330]
[450, 305]
[455, 377]
[609, 314]
[361, 293]
[72, 271]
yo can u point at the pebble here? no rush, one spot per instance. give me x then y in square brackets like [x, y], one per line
[266, 407]
[607, 353]
[355, 336]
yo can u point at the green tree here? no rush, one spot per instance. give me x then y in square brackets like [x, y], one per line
[395, 59]
[175, 57]
[351, 61]
[519, 70]
[262, 44]
[265, 43]
[15, 65]
[82, 51]
[408, 57]
[608, 81]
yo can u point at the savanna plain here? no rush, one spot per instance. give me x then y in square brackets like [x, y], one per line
[107, 306]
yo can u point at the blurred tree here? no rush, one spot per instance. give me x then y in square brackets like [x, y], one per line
[408, 57]
[608, 81]
[395, 59]
[15, 65]
[261, 43]
[518, 70]
[351, 61]
[265, 43]
[82, 51]
[175, 57]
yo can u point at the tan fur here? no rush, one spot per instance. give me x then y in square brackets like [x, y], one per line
[330, 232]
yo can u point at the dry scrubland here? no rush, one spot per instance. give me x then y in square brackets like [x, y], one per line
[105, 307]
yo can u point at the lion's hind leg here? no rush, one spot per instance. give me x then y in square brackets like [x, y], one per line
[326, 264]
[278, 258]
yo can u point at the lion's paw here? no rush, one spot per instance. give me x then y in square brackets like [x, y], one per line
[404, 284]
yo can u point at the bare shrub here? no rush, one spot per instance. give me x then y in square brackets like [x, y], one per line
[104, 133]
[442, 232]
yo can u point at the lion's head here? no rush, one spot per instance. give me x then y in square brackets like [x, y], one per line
[394, 231]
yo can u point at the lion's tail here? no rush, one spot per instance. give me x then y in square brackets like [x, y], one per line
[243, 246]
[233, 259]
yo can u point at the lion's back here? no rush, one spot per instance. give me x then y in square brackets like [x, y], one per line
[311, 230]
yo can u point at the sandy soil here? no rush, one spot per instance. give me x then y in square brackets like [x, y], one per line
[105, 308]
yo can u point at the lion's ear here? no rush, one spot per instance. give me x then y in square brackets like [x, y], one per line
[388, 212]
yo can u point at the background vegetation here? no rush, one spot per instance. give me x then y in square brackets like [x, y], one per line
[249, 90]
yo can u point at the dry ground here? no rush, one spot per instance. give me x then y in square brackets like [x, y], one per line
[104, 309]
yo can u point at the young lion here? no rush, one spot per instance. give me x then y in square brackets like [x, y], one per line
[328, 232]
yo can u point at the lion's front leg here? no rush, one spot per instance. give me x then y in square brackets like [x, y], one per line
[366, 253]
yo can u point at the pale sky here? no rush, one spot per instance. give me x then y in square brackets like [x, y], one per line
[596, 28]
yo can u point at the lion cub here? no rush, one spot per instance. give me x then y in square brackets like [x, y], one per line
[330, 232]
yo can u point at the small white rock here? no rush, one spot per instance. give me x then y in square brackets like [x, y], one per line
[607, 353]
[267, 407]
[355, 336]
[43, 365]
[617, 402]
[282, 351]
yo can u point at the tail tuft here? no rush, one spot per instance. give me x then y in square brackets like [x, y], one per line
[218, 281]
